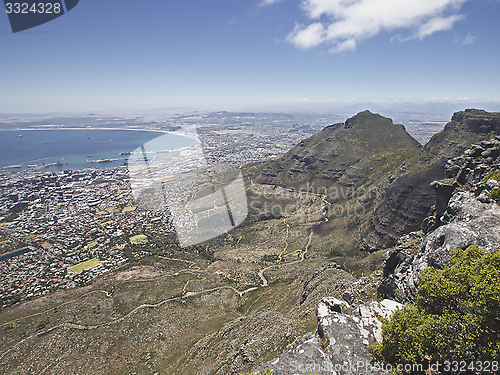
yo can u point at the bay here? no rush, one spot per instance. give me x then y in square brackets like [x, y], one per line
[76, 148]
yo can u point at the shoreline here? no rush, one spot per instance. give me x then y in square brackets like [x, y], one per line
[186, 133]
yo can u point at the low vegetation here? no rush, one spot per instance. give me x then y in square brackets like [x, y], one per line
[492, 175]
[456, 316]
[138, 238]
[495, 194]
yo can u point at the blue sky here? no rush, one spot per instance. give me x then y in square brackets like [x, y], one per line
[235, 54]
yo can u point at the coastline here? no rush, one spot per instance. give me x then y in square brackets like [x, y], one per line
[188, 132]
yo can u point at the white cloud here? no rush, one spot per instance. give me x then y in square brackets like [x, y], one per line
[469, 39]
[268, 2]
[343, 23]
[308, 37]
[437, 24]
[346, 45]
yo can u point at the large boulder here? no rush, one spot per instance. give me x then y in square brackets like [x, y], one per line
[339, 343]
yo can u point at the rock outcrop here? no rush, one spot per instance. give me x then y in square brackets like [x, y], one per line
[465, 215]
[398, 264]
[339, 343]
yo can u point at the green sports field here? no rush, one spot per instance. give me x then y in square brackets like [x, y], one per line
[80, 267]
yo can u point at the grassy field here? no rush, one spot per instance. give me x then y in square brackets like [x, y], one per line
[9, 223]
[138, 238]
[80, 267]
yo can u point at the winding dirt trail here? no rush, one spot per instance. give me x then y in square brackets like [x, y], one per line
[193, 269]
[86, 328]
[144, 306]
[302, 257]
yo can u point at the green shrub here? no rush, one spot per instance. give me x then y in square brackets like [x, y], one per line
[456, 315]
[495, 194]
[492, 175]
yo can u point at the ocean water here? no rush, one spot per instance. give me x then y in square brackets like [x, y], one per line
[75, 148]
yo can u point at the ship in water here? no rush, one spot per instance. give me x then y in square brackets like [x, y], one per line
[102, 161]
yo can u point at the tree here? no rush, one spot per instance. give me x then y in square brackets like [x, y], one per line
[455, 316]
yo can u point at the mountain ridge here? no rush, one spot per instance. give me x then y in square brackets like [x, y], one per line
[336, 151]
[370, 152]
[410, 198]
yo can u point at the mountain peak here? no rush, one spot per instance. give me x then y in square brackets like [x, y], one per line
[345, 154]
[368, 120]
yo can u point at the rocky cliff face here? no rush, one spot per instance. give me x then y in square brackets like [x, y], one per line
[465, 128]
[409, 198]
[465, 215]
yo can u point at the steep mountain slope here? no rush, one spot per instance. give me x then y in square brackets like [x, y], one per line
[465, 128]
[410, 198]
[467, 214]
[368, 153]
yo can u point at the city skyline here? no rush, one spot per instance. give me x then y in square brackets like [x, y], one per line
[262, 53]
